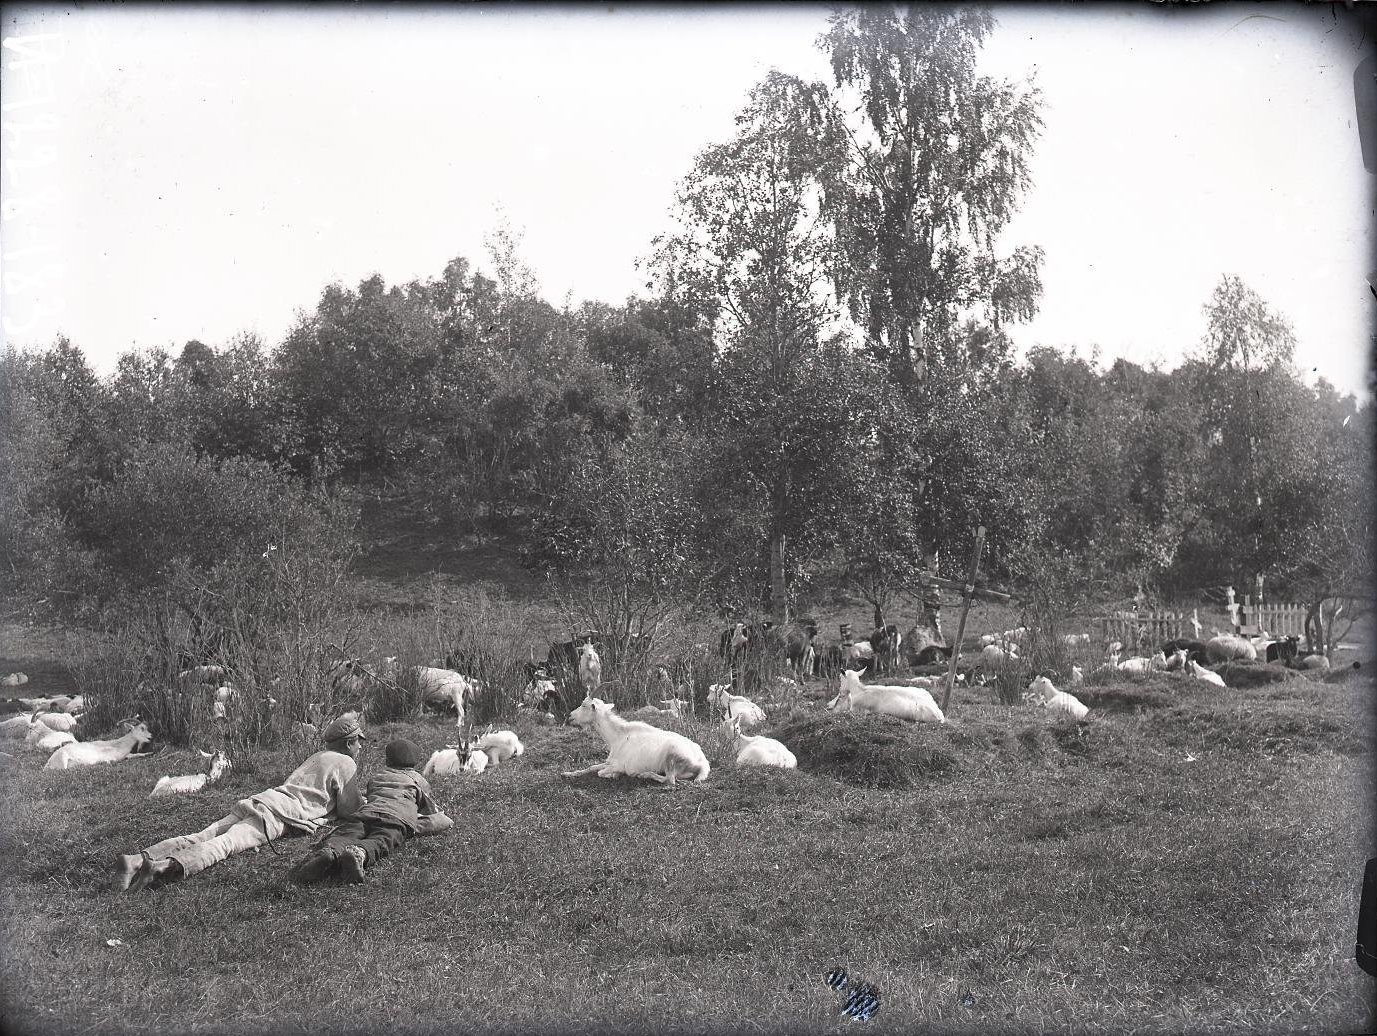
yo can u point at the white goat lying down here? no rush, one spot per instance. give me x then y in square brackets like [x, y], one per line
[638, 749]
[58, 721]
[1199, 672]
[759, 750]
[45, 739]
[668, 707]
[190, 784]
[735, 706]
[90, 753]
[1142, 666]
[455, 759]
[1043, 691]
[500, 745]
[910, 703]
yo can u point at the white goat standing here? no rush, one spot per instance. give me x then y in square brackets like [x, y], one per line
[1049, 697]
[590, 668]
[735, 706]
[910, 703]
[759, 750]
[1199, 672]
[638, 749]
[91, 753]
[190, 784]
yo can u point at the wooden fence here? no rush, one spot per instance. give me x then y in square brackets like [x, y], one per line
[1142, 629]
[1279, 620]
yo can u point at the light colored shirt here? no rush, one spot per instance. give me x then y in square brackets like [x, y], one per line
[318, 790]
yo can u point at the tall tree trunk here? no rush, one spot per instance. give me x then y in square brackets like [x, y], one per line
[779, 598]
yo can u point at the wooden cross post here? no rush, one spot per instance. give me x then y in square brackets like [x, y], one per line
[966, 592]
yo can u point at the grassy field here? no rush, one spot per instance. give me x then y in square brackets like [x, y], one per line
[1190, 862]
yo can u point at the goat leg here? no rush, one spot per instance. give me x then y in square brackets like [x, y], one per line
[595, 768]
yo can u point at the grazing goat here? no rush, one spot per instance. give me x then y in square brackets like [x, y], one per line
[91, 753]
[1227, 648]
[1046, 693]
[500, 745]
[590, 669]
[735, 705]
[1199, 672]
[885, 642]
[798, 647]
[190, 784]
[759, 750]
[445, 687]
[910, 703]
[638, 749]
[352, 679]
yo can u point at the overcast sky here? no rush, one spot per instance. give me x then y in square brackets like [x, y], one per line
[178, 173]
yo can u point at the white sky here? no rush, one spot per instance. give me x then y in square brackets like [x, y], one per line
[196, 172]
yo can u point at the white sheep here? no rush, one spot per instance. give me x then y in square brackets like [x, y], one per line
[1316, 661]
[735, 705]
[1045, 692]
[993, 656]
[91, 753]
[59, 721]
[75, 704]
[14, 680]
[1199, 672]
[638, 749]
[910, 703]
[500, 745]
[1228, 647]
[590, 668]
[759, 750]
[19, 726]
[190, 784]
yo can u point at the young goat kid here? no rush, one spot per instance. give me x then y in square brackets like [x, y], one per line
[735, 706]
[500, 745]
[759, 750]
[1045, 693]
[638, 749]
[190, 784]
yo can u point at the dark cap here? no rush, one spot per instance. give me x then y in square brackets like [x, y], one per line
[342, 728]
[405, 754]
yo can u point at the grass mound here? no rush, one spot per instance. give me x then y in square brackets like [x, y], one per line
[1255, 674]
[872, 751]
[1128, 697]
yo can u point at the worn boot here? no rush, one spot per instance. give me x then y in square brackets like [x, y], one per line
[315, 867]
[351, 865]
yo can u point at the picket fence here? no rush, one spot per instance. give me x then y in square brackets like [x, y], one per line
[1141, 629]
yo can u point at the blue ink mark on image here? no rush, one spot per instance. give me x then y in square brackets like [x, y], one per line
[863, 1003]
[836, 978]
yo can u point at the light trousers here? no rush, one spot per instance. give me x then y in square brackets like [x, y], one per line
[228, 835]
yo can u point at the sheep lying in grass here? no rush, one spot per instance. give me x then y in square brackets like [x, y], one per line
[43, 739]
[190, 784]
[759, 750]
[14, 680]
[1199, 672]
[1227, 648]
[638, 749]
[910, 703]
[19, 726]
[91, 753]
[735, 705]
[1045, 693]
[64, 721]
[500, 745]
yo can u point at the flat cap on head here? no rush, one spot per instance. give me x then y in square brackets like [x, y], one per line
[405, 754]
[341, 728]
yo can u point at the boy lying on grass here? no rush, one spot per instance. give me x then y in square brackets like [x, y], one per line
[318, 790]
[399, 806]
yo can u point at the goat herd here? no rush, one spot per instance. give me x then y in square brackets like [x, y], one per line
[636, 746]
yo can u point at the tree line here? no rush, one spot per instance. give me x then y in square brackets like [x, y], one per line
[817, 388]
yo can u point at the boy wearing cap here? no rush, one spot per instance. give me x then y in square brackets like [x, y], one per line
[320, 788]
[399, 807]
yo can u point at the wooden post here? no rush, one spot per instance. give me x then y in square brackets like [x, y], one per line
[966, 593]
